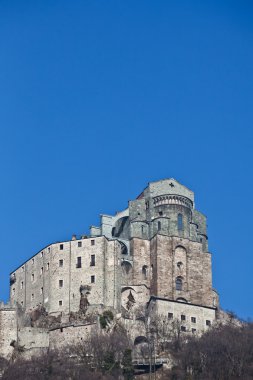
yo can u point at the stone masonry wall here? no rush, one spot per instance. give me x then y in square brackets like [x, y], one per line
[53, 277]
[70, 335]
[8, 331]
[195, 319]
[177, 257]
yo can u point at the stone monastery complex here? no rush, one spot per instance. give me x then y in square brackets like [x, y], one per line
[152, 255]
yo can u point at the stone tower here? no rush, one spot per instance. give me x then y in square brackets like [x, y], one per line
[166, 244]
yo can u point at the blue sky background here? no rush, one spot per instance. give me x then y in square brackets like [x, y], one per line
[97, 98]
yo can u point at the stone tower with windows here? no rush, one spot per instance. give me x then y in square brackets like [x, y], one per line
[166, 244]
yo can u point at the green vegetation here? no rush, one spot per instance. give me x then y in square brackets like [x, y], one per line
[105, 318]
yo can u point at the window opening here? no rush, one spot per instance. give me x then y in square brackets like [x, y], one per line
[144, 272]
[92, 260]
[180, 225]
[179, 283]
[79, 262]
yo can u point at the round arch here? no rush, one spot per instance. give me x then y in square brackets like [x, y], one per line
[140, 339]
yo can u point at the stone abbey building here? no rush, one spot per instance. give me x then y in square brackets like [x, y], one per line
[151, 257]
[153, 254]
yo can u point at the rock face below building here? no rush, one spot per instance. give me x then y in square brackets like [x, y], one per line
[152, 255]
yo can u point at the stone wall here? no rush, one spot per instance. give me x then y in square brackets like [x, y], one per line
[173, 258]
[8, 331]
[53, 277]
[68, 336]
[31, 338]
[159, 262]
[193, 318]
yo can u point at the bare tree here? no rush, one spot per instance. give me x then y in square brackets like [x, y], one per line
[223, 353]
[104, 351]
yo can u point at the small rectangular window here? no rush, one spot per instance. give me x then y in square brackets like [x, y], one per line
[41, 290]
[32, 261]
[22, 303]
[32, 277]
[48, 249]
[92, 242]
[61, 247]
[61, 263]
[41, 270]
[208, 323]
[194, 330]
[170, 315]
[21, 285]
[183, 318]
[47, 266]
[160, 213]
[23, 269]
[79, 244]
[79, 262]
[41, 254]
[92, 279]
[60, 283]
[159, 226]
[183, 328]
[193, 319]
[92, 260]
[32, 297]
[13, 291]
[60, 303]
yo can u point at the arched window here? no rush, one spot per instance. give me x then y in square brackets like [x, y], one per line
[180, 224]
[159, 226]
[144, 272]
[179, 283]
[126, 268]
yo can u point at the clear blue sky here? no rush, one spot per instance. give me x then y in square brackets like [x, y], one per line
[97, 98]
